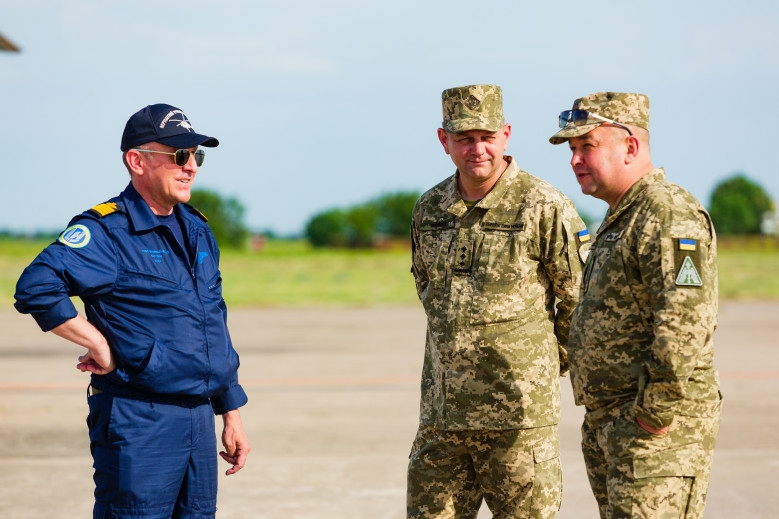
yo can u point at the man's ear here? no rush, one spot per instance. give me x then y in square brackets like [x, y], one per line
[633, 147]
[134, 161]
[443, 139]
[507, 134]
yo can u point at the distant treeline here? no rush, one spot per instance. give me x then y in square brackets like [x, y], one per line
[364, 225]
[738, 206]
[37, 235]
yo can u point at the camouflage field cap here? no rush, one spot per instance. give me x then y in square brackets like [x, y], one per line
[623, 108]
[472, 107]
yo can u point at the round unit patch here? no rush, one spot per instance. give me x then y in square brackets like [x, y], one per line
[75, 236]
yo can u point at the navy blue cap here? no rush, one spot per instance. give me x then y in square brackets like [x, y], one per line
[164, 124]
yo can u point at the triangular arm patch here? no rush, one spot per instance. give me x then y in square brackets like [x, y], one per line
[688, 274]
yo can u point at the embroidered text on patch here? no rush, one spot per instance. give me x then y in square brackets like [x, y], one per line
[688, 274]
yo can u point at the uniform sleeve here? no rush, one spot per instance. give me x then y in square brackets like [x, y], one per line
[67, 268]
[677, 261]
[231, 399]
[563, 251]
[418, 268]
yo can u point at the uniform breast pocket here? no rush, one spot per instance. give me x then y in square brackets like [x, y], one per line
[435, 245]
[504, 278]
[604, 273]
[144, 284]
[503, 261]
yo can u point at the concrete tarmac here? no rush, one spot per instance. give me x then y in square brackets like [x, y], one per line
[332, 412]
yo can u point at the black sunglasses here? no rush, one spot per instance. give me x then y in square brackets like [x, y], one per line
[180, 157]
[580, 117]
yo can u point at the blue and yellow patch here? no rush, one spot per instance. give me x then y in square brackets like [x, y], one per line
[584, 244]
[687, 244]
[75, 236]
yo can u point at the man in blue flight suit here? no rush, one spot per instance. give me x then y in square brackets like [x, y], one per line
[146, 266]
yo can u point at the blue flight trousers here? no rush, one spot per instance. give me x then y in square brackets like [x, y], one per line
[152, 459]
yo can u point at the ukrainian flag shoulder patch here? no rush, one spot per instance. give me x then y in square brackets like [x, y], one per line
[687, 244]
[584, 244]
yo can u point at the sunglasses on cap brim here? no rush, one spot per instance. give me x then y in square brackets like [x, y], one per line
[581, 117]
[180, 157]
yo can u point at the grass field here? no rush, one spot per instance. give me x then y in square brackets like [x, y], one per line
[292, 274]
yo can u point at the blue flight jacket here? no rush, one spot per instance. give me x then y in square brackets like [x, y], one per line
[160, 308]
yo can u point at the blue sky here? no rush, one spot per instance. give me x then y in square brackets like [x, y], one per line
[328, 104]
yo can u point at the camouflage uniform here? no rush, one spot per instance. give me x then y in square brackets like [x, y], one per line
[641, 348]
[488, 277]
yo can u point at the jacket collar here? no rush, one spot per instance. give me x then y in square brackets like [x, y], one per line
[636, 191]
[140, 214]
[454, 202]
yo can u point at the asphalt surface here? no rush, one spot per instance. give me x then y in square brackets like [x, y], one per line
[332, 413]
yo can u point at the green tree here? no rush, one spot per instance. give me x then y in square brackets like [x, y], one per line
[738, 205]
[395, 214]
[359, 225]
[362, 221]
[328, 228]
[225, 217]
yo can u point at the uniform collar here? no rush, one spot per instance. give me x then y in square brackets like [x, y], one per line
[139, 212]
[455, 203]
[636, 190]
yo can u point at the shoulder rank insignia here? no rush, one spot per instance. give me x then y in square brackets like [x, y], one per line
[197, 212]
[104, 209]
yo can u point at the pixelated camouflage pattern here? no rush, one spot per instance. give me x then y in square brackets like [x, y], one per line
[641, 347]
[636, 334]
[634, 473]
[625, 108]
[517, 473]
[472, 107]
[488, 279]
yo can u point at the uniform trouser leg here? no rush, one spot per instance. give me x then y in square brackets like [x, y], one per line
[635, 474]
[517, 473]
[152, 460]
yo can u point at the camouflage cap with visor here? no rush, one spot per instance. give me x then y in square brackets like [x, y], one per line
[472, 107]
[616, 107]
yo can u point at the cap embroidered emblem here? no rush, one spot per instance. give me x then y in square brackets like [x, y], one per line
[472, 102]
[183, 122]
